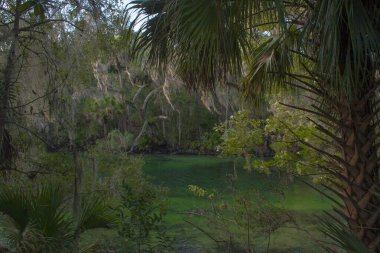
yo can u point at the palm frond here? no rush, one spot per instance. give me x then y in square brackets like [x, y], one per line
[342, 237]
[94, 214]
[269, 68]
[50, 217]
[14, 204]
[204, 40]
[340, 234]
[34, 218]
[346, 35]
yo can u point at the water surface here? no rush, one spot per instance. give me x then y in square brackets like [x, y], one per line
[214, 175]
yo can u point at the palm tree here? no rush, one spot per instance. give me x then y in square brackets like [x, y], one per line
[328, 49]
[38, 221]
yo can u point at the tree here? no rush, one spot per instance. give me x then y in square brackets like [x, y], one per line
[287, 129]
[330, 49]
[240, 136]
[34, 33]
[21, 25]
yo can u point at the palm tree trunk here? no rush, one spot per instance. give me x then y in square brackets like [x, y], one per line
[359, 169]
[357, 137]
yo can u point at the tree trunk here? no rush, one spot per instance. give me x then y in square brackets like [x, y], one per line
[179, 127]
[248, 162]
[357, 137]
[163, 122]
[137, 139]
[77, 183]
[235, 176]
[359, 169]
[356, 119]
[94, 174]
[6, 86]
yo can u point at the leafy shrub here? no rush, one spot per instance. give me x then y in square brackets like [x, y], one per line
[141, 213]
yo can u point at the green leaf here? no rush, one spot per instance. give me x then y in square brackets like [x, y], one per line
[28, 5]
[39, 11]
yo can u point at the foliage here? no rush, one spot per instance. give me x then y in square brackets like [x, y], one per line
[141, 213]
[80, 93]
[342, 238]
[290, 138]
[211, 140]
[235, 224]
[241, 135]
[110, 167]
[329, 49]
[200, 192]
[37, 220]
[119, 141]
[289, 135]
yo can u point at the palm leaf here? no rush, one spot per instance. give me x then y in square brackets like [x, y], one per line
[268, 68]
[340, 234]
[35, 219]
[342, 237]
[349, 43]
[94, 214]
[50, 217]
[205, 40]
[15, 203]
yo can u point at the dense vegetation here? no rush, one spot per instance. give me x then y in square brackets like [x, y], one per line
[284, 92]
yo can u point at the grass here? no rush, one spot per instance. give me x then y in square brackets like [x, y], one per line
[212, 174]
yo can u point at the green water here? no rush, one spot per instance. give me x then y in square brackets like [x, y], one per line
[213, 174]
